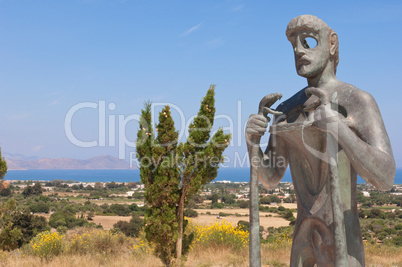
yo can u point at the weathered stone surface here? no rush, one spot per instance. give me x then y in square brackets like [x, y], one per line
[327, 133]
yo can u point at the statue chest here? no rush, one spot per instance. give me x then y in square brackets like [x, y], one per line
[307, 151]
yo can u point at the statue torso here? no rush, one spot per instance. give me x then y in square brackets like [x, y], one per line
[306, 148]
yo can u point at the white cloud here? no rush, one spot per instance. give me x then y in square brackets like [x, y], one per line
[37, 148]
[54, 102]
[192, 29]
[55, 93]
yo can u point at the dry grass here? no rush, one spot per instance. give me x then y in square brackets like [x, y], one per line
[119, 260]
[381, 255]
[217, 256]
[279, 255]
[276, 254]
[133, 252]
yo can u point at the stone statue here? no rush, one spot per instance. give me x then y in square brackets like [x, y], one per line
[327, 133]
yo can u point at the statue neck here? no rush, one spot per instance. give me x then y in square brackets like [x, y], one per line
[323, 79]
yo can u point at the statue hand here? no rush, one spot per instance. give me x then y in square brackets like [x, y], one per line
[257, 123]
[325, 118]
[256, 127]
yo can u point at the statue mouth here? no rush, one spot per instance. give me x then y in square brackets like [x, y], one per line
[302, 62]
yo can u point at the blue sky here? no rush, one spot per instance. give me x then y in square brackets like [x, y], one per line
[58, 54]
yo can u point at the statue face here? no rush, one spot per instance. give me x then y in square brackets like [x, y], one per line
[311, 50]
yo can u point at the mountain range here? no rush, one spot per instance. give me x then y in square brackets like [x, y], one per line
[20, 162]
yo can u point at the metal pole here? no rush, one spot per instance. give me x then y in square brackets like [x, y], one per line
[254, 245]
[254, 242]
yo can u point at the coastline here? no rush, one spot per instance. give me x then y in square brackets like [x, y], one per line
[225, 175]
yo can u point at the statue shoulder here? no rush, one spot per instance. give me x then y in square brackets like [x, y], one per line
[360, 97]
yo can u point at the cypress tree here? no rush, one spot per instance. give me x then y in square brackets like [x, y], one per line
[3, 169]
[200, 156]
[173, 172]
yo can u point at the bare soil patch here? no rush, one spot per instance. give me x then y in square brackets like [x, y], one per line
[266, 219]
[285, 205]
[108, 221]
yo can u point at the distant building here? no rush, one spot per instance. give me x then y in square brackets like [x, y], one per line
[223, 182]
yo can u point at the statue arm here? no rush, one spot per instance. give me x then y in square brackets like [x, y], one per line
[368, 148]
[273, 163]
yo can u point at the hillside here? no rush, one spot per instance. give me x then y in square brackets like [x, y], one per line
[99, 163]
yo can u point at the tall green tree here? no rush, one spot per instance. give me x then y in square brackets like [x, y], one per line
[159, 174]
[172, 173]
[3, 169]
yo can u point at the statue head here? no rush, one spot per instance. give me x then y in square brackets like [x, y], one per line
[315, 45]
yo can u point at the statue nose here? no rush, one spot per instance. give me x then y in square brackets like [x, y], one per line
[299, 49]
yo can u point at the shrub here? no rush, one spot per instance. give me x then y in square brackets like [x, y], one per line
[217, 205]
[362, 214]
[47, 245]
[214, 198]
[287, 200]
[9, 237]
[62, 229]
[376, 213]
[397, 241]
[90, 215]
[275, 199]
[281, 208]
[96, 241]
[134, 207]
[398, 227]
[382, 235]
[131, 228]
[40, 206]
[5, 192]
[119, 210]
[32, 190]
[265, 200]
[288, 215]
[391, 215]
[221, 234]
[377, 226]
[229, 199]
[19, 228]
[66, 217]
[245, 226]
[190, 213]
[390, 231]
[279, 236]
[244, 204]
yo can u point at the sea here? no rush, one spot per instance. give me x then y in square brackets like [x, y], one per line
[224, 174]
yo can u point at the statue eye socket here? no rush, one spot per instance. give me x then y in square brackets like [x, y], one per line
[309, 42]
